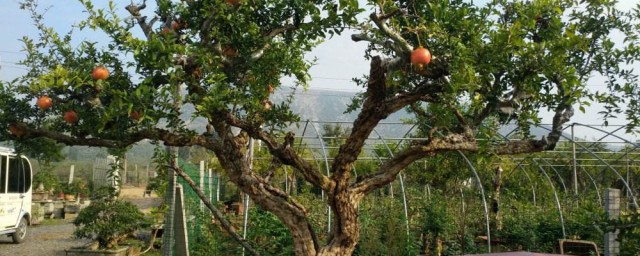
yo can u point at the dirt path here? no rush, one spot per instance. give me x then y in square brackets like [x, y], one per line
[54, 238]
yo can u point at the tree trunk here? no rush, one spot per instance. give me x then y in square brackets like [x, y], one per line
[346, 228]
[272, 199]
[277, 202]
[344, 203]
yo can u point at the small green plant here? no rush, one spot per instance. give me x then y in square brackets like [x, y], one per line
[108, 222]
[269, 233]
[103, 192]
[47, 178]
[80, 187]
[69, 189]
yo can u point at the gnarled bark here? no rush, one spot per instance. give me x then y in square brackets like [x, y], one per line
[292, 214]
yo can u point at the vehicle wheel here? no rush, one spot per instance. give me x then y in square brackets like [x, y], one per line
[21, 232]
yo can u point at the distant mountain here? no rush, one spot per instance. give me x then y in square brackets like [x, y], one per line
[316, 106]
[329, 106]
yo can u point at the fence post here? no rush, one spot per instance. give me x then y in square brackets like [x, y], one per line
[181, 236]
[217, 187]
[125, 169]
[211, 185]
[137, 176]
[202, 183]
[612, 207]
[71, 169]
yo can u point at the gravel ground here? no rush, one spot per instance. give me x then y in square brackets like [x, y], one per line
[53, 238]
[43, 240]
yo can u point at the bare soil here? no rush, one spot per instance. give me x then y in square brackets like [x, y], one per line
[53, 237]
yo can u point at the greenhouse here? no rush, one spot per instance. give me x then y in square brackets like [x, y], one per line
[457, 203]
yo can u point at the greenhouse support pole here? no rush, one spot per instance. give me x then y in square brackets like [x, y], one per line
[627, 169]
[484, 198]
[404, 194]
[574, 160]
[631, 194]
[326, 164]
[555, 195]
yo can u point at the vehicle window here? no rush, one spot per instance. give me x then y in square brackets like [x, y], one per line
[26, 175]
[3, 174]
[15, 178]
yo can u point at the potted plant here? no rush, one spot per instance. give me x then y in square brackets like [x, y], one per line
[107, 223]
[46, 182]
[70, 191]
[81, 187]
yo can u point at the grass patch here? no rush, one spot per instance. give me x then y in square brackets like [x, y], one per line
[53, 222]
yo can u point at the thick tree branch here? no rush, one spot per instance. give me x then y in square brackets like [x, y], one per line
[426, 92]
[293, 214]
[563, 114]
[134, 10]
[461, 119]
[268, 36]
[386, 16]
[451, 142]
[169, 138]
[205, 28]
[374, 109]
[403, 45]
[397, 43]
[283, 151]
[277, 31]
[384, 43]
[481, 115]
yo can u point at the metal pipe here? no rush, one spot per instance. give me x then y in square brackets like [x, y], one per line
[575, 163]
[326, 162]
[404, 194]
[555, 194]
[484, 199]
[633, 198]
[595, 185]
[533, 188]
[564, 186]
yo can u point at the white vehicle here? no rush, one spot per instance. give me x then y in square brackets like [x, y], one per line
[15, 194]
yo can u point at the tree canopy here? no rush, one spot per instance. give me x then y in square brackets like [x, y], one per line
[501, 62]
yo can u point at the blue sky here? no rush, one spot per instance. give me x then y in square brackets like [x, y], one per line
[338, 59]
